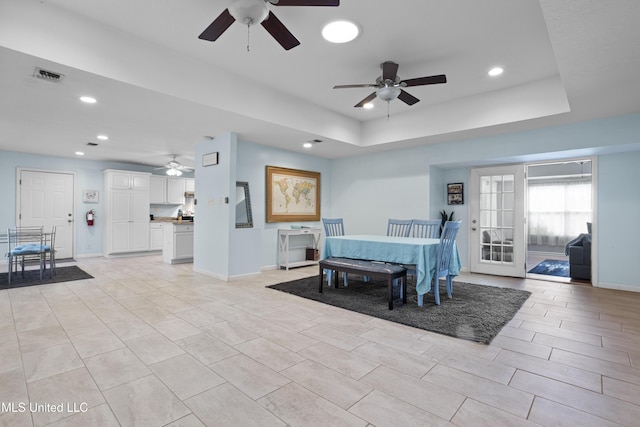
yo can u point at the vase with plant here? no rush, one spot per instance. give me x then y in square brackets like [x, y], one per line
[444, 217]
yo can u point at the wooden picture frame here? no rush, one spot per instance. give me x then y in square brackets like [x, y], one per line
[455, 193]
[292, 195]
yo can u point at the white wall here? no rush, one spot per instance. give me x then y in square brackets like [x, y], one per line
[616, 227]
[251, 167]
[88, 176]
[212, 211]
[410, 183]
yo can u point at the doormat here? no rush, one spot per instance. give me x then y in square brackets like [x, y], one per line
[475, 312]
[552, 267]
[32, 277]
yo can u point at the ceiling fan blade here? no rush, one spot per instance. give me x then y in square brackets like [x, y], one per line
[389, 70]
[307, 3]
[431, 80]
[366, 100]
[217, 27]
[407, 98]
[279, 32]
[354, 86]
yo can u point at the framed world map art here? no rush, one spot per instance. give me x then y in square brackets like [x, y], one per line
[292, 195]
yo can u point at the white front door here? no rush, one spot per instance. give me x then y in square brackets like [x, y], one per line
[46, 198]
[497, 236]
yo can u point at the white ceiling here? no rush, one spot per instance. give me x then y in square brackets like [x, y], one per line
[160, 89]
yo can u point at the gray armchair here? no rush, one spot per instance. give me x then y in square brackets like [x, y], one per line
[579, 251]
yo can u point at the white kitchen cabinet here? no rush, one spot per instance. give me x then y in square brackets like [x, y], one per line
[189, 184]
[126, 180]
[126, 211]
[293, 245]
[166, 190]
[175, 191]
[155, 236]
[178, 243]
[157, 190]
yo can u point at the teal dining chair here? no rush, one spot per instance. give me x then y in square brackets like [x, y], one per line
[443, 261]
[425, 228]
[399, 227]
[334, 227]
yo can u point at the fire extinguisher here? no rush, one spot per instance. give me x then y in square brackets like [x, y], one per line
[90, 217]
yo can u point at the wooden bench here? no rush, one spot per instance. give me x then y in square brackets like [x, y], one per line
[376, 270]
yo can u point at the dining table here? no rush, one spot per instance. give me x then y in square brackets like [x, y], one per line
[398, 250]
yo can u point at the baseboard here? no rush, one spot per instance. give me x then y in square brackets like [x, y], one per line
[243, 276]
[210, 274]
[618, 287]
[548, 255]
[96, 255]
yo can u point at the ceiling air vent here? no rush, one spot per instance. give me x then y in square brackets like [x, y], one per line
[47, 75]
[92, 144]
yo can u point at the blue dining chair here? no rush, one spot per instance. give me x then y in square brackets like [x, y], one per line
[399, 227]
[425, 228]
[334, 227]
[443, 261]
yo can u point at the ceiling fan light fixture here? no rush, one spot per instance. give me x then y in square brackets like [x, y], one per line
[340, 31]
[388, 93]
[88, 99]
[249, 12]
[174, 172]
[495, 71]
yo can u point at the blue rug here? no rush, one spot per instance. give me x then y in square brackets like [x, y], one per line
[552, 267]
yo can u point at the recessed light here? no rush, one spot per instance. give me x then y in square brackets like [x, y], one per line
[307, 145]
[79, 153]
[496, 71]
[368, 105]
[341, 31]
[102, 137]
[88, 99]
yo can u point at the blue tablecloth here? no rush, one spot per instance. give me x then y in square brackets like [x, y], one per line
[401, 250]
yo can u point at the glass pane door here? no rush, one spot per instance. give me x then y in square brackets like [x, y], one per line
[497, 220]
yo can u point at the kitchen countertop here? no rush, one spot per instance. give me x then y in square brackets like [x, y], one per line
[170, 219]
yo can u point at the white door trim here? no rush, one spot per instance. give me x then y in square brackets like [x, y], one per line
[509, 259]
[594, 209]
[19, 171]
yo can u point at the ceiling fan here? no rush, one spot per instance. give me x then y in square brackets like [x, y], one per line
[174, 168]
[252, 12]
[389, 85]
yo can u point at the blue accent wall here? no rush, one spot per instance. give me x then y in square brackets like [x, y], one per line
[411, 183]
[88, 175]
[367, 190]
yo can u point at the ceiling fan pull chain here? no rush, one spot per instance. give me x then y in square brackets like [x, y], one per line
[248, 34]
[388, 110]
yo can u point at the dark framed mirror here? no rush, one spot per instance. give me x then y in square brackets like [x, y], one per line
[244, 219]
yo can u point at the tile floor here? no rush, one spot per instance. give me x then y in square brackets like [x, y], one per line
[148, 344]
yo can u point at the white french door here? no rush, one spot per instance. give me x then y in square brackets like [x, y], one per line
[497, 217]
[46, 199]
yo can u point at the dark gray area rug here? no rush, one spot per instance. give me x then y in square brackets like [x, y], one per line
[475, 312]
[32, 277]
